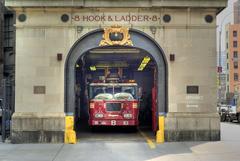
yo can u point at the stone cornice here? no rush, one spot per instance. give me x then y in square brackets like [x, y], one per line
[220, 4]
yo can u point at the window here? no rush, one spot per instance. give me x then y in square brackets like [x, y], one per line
[226, 34]
[227, 45]
[235, 65]
[235, 44]
[234, 33]
[8, 31]
[228, 77]
[228, 89]
[227, 66]
[227, 55]
[235, 77]
[235, 54]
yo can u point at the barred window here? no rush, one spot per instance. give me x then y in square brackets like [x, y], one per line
[235, 54]
[235, 65]
[235, 44]
[234, 33]
[235, 76]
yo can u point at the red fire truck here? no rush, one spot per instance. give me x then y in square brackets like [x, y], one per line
[113, 104]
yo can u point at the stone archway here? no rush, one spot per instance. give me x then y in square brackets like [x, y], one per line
[140, 40]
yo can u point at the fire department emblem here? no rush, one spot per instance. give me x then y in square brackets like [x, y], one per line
[116, 35]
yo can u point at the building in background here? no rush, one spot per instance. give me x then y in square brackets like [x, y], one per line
[222, 88]
[236, 8]
[223, 19]
[7, 53]
[1, 41]
[231, 64]
[233, 61]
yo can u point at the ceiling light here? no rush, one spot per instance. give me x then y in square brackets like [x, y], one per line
[144, 62]
[93, 68]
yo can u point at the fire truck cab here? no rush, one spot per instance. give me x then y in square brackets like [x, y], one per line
[113, 104]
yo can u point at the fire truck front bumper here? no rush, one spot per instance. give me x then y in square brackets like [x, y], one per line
[113, 122]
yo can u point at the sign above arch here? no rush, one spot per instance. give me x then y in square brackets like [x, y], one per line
[116, 35]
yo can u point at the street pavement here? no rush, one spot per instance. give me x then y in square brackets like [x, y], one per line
[138, 149]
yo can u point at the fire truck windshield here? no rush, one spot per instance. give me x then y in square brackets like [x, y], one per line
[120, 96]
[104, 96]
[109, 92]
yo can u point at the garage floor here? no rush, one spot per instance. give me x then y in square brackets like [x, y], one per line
[114, 134]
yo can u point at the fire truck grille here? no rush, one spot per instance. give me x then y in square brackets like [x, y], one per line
[113, 106]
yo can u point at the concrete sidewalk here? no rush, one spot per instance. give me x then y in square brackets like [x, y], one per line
[225, 150]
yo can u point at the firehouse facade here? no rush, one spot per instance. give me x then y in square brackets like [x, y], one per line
[168, 46]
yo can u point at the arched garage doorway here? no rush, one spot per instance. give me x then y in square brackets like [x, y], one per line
[91, 41]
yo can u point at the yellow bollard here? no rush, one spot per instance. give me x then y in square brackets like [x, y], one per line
[160, 132]
[70, 134]
[70, 137]
[69, 123]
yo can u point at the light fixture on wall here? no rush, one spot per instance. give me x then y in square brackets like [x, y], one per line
[79, 29]
[59, 56]
[153, 29]
[77, 66]
[172, 57]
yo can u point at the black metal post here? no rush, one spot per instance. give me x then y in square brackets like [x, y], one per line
[4, 111]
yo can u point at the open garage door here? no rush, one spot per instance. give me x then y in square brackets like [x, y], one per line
[115, 86]
[142, 62]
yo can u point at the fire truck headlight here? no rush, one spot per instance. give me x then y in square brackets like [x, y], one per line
[127, 115]
[98, 115]
[91, 105]
[134, 105]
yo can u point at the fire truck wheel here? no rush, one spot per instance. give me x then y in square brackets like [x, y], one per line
[134, 129]
[93, 128]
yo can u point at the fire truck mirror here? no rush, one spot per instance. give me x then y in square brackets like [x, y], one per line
[139, 93]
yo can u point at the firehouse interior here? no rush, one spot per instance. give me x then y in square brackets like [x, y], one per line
[127, 65]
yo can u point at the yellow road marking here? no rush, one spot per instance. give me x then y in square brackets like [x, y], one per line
[150, 143]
